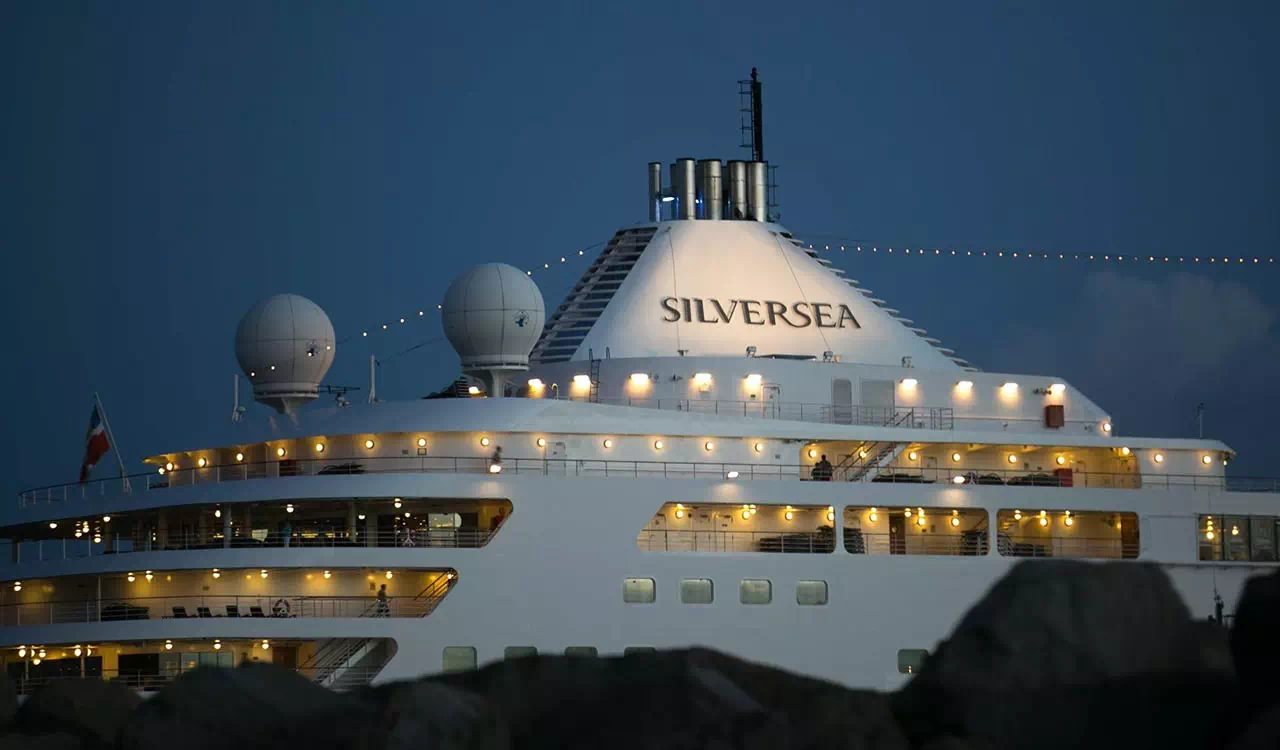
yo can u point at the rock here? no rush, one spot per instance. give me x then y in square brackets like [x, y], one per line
[257, 705]
[675, 699]
[8, 703]
[1257, 620]
[53, 741]
[93, 710]
[1262, 734]
[426, 714]
[1065, 654]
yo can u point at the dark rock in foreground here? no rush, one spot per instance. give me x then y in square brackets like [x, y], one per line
[1253, 640]
[92, 710]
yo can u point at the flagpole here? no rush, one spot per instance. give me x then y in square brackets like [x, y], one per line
[111, 438]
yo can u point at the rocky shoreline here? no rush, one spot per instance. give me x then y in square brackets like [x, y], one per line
[1058, 654]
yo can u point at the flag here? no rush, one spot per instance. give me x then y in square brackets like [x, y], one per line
[96, 443]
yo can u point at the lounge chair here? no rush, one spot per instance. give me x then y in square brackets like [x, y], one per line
[179, 613]
[203, 612]
[233, 610]
[256, 611]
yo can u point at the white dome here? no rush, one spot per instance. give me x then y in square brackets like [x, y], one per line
[285, 345]
[493, 315]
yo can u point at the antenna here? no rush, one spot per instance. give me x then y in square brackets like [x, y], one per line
[751, 116]
[236, 409]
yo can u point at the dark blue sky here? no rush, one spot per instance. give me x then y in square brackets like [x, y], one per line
[164, 165]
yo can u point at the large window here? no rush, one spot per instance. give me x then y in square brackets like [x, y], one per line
[1238, 538]
[1067, 533]
[915, 531]
[685, 527]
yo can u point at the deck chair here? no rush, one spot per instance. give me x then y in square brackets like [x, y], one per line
[203, 612]
[179, 613]
[256, 611]
[233, 610]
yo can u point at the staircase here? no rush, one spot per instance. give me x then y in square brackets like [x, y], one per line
[595, 381]
[879, 455]
[347, 663]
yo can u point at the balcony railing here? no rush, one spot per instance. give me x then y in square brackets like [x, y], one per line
[25, 684]
[202, 607]
[601, 468]
[964, 543]
[667, 540]
[63, 548]
[918, 417]
[1032, 546]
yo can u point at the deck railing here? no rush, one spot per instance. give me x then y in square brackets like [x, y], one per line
[104, 489]
[679, 540]
[917, 417]
[27, 683]
[204, 607]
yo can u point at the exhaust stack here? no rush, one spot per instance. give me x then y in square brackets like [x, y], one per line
[758, 191]
[685, 188]
[655, 191]
[737, 190]
[710, 190]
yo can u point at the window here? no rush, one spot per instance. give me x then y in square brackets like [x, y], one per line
[1036, 532]
[915, 531]
[911, 660]
[1238, 538]
[811, 593]
[519, 652]
[637, 590]
[629, 650]
[755, 591]
[590, 651]
[459, 658]
[696, 591]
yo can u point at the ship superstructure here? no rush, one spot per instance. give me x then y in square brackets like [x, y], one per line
[717, 438]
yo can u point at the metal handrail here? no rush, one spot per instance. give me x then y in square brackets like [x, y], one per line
[161, 608]
[606, 468]
[1091, 547]
[968, 542]
[138, 680]
[918, 417]
[681, 540]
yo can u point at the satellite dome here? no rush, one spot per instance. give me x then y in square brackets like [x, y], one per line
[285, 345]
[493, 315]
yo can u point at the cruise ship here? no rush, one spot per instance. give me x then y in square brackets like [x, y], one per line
[717, 438]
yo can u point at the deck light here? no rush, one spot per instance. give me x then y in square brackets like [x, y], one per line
[1206, 460]
[216, 573]
[608, 443]
[535, 383]
[732, 474]
[168, 645]
[473, 390]
[754, 380]
[657, 444]
[913, 455]
[495, 468]
[639, 378]
[368, 444]
[168, 466]
[239, 457]
[266, 645]
[955, 518]
[148, 575]
[1106, 427]
[263, 573]
[908, 384]
[1044, 519]
[288, 508]
[831, 514]
[484, 442]
[1017, 515]
[679, 513]
[106, 519]
[360, 517]
[53, 524]
[1235, 531]
[17, 585]
[202, 462]
[1013, 458]
[319, 447]
[130, 578]
[957, 479]
[758, 447]
[789, 515]
[407, 514]
[955, 457]
[1158, 458]
[702, 378]
[42, 653]
[1068, 520]
[217, 512]
[280, 452]
[396, 503]
[709, 445]
[582, 381]
[861, 454]
[22, 652]
[1009, 388]
[389, 575]
[813, 453]
[217, 645]
[1124, 450]
[542, 442]
[162, 471]
[422, 442]
[97, 538]
[1061, 460]
[328, 575]
[78, 533]
[906, 512]
[1057, 389]
[746, 515]
[1209, 534]
[964, 386]
[78, 650]
[920, 519]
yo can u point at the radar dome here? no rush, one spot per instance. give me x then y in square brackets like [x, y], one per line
[493, 315]
[285, 345]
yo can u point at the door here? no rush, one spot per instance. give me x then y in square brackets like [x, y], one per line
[897, 534]
[841, 401]
[877, 402]
[556, 458]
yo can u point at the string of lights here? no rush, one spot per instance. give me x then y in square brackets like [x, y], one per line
[1011, 255]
